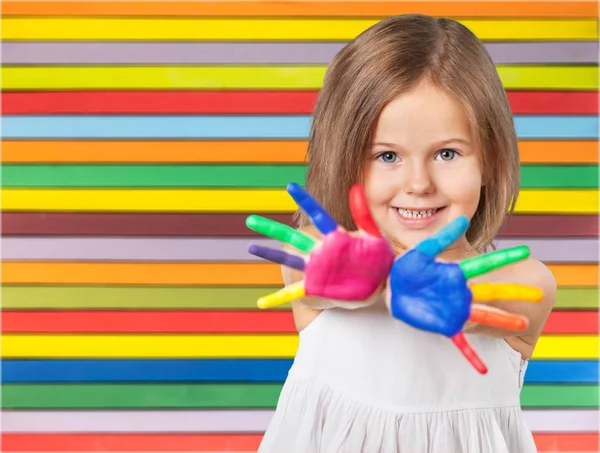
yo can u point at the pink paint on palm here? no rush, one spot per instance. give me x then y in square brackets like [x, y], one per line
[348, 267]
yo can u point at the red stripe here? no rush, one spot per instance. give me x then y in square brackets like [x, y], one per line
[572, 322]
[547, 442]
[247, 102]
[130, 442]
[200, 321]
[148, 321]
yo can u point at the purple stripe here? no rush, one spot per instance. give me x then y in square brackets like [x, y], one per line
[557, 421]
[258, 53]
[218, 249]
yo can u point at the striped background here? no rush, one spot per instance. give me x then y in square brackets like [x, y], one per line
[136, 138]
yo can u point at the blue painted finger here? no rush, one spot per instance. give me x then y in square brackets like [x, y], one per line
[319, 217]
[436, 244]
[277, 256]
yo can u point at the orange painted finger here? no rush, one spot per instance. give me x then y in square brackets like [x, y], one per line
[498, 318]
[487, 292]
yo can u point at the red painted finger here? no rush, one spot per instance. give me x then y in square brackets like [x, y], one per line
[465, 348]
[361, 212]
[497, 318]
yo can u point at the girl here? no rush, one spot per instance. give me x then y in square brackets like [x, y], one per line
[412, 109]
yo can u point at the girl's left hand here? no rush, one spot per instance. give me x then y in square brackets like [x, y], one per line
[434, 296]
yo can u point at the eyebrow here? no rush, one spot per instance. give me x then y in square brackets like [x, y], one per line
[437, 144]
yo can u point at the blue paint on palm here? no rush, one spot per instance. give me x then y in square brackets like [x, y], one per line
[429, 295]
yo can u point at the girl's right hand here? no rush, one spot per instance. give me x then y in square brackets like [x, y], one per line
[342, 266]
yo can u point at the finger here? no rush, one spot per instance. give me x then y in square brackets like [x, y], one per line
[498, 318]
[277, 256]
[281, 232]
[283, 296]
[472, 267]
[487, 292]
[436, 244]
[465, 348]
[361, 213]
[318, 216]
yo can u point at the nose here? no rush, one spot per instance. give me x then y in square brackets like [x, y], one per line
[418, 180]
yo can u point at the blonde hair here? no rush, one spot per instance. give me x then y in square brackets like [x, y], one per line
[386, 61]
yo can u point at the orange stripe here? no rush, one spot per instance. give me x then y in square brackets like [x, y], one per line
[559, 152]
[159, 151]
[301, 8]
[201, 273]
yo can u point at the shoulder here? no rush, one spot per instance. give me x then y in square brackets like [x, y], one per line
[535, 273]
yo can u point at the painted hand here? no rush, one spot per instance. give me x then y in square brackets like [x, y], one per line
[342, 266]
[434, 296]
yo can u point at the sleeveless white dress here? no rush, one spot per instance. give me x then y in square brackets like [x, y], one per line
[363, 382]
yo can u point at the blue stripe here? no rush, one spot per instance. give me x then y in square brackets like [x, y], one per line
[243, 370]
[240, 127]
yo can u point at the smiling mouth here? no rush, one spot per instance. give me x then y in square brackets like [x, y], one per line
[418, 214]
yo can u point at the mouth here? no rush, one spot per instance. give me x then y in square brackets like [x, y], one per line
[418, 214]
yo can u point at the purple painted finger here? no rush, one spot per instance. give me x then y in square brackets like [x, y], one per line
[277, 256]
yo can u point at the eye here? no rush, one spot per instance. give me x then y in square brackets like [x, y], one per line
[447, 154]
[388, 157]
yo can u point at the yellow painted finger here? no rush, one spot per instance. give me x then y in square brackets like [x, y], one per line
[487, 292]
[283, 296]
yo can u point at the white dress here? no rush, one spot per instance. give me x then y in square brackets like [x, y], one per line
[363, 382]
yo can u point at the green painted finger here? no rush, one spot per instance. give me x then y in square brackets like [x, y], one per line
[281, 232]
[472, 267]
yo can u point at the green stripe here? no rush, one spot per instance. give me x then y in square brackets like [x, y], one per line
[223, 298]
[559, 176]
[268, 176]
[132, 396]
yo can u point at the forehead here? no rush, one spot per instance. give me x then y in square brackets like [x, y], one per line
[422, 116]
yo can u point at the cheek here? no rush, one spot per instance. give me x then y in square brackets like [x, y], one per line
[463, 187]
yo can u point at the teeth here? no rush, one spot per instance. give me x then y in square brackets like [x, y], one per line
[412, 214]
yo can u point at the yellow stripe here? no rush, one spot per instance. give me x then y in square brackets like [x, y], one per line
[95, 346]
[270, 29]
[530, 201]
[253, 77]
[567, 347]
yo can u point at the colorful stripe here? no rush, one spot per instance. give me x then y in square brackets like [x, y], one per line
[19, 371]
[225, 225]
[223, 346]
[247, 200]
[243, 127]
[230, 249]
[237, 77]
[251, 176]
[579, 442]
[186, 273]
[155, 297]
[239, 151]
[61, 53]
[230, 421]
[220, 29]
[217, 321]
[301, 8]
[225, 396]
[249, 102]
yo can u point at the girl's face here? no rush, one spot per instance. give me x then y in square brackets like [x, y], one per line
[423, 168]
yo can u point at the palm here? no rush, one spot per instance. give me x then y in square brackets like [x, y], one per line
[342, 266]
[432, 296]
